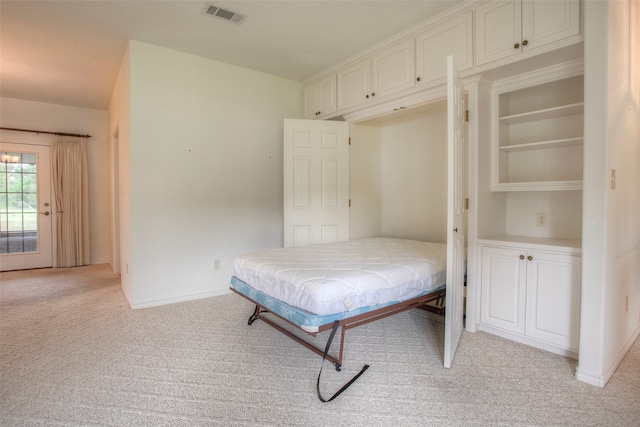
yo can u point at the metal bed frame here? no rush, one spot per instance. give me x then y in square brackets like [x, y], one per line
[433, 302]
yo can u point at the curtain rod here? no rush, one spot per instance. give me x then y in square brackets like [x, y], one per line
[50, 133]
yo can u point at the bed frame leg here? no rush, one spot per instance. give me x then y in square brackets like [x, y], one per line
[254, 316]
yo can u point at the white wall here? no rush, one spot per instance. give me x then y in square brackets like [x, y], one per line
[22, 114]
[414, 175]
[365, 166]
[205, 182]
[120, 179]
[610, 314]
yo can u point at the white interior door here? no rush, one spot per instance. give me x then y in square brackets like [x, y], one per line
[316, 182]
[25, 208]
[455, 213]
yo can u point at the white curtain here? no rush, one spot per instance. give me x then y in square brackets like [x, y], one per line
[71, 191]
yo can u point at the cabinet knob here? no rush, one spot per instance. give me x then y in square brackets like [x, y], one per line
[530, 258]
[373, 94]
[521, 256]
[367, 96]
[517, 45]
[524, 43]
[418, 79]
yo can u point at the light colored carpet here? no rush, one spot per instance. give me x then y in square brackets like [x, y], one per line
[74, 353]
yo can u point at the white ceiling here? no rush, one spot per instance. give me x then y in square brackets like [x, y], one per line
[69, 52]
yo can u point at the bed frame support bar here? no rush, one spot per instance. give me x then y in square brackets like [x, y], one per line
[345, 324]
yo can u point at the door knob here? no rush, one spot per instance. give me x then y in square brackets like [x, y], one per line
[45, 213]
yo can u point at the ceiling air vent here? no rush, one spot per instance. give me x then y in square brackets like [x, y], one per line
[225, 14]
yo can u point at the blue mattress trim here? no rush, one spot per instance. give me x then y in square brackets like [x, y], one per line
[307, 321]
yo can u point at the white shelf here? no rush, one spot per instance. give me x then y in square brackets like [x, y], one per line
[570, 245]
[547, 113]
[539, 186]
[558, 143]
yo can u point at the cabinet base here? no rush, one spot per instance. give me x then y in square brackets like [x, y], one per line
[552, 348]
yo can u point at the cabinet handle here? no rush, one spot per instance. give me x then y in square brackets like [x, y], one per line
[418, 79]
[530, 258]
[517, 45]
[521, 256]
[524, 43]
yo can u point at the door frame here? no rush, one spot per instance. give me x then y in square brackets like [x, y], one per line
[22, 138]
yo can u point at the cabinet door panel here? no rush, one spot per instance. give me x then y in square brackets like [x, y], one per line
[553, 298]
[547, 21]
[328, 95]
[503, 289]
[354, 84]
[393, 69]
[311, 95]
[498, 29]
[434, 45]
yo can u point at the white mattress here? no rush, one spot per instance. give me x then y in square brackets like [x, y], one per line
[337, 277]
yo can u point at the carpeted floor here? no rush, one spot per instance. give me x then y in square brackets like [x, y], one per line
[72, 352]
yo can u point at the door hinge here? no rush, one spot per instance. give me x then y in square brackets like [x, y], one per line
[349, 202]
[466, 115]
[349, 140]
[466, 203]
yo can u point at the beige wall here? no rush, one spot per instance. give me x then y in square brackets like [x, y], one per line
[205, 172]
[17, 113]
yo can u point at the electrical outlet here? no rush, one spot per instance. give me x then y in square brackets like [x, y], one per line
[216, 264]
[541, 219]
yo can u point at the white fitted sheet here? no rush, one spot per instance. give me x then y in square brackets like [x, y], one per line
[343, 276]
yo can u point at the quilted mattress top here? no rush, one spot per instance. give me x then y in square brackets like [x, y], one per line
[337, 277]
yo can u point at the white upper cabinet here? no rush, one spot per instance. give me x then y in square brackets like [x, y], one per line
[385, 72]
[505, 28]
[393, 69]
[453, 37]
[354, 84]
[320, 97]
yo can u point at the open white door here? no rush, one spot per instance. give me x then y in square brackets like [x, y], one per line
[316, 182]
[455, 213]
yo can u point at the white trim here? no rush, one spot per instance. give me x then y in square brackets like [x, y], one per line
[602, 380]
[573, 354]
[191, 297]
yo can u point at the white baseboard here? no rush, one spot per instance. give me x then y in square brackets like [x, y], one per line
[192, 297]
[600, 380]
[529, 341]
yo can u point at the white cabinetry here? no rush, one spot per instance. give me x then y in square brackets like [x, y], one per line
[453, 37]
[531, 293]
[538, 136]
[320, 97]
[385, 72]
[506, 28]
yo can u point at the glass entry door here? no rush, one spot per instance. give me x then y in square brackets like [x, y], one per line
[25, 207]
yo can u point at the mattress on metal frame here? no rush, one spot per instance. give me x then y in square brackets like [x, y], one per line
[307, 321]
[325, 279]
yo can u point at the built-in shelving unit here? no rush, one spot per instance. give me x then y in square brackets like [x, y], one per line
[538, 137]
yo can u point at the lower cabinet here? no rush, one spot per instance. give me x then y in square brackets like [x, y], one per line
[531, 293]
